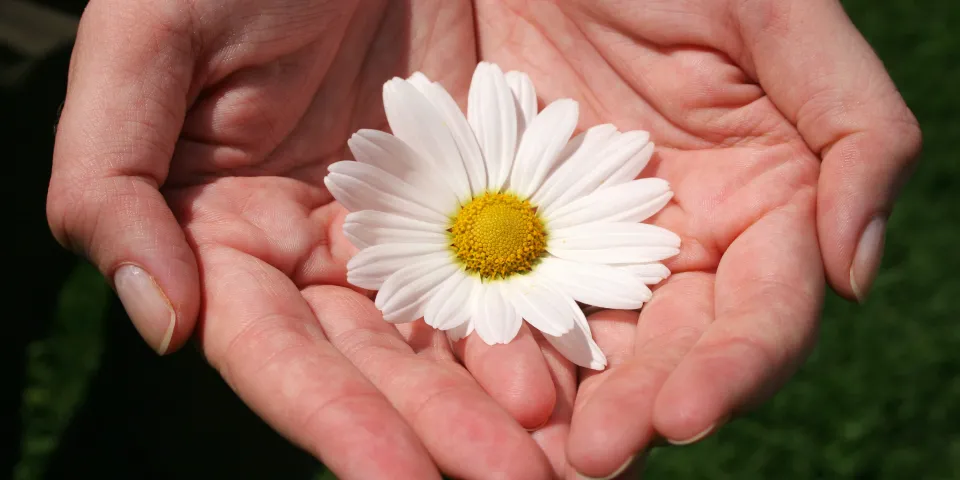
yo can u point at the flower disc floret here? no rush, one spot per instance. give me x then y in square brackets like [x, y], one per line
[497, 235]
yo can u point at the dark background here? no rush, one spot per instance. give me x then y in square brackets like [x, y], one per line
[82, 396]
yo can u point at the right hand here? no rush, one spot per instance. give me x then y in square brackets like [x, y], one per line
[188, 167]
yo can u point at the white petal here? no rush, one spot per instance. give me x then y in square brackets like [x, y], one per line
[419, 80]
[633, 201]
[373, 218]
[613, 234]
[462, 133]
[648, 273]
[363, 187]
[492, 113]
[369, 227]
[540, 304]
[631, 168]
[372, 266]
[385, 152]
[541, 144]
[579, 348]
[525, 96]
[577, 345]
[494, 317]
[390, 154]
[592, 168]
[445, 309]
[404, 296]
[456, 333]
[615, 255]
[599, 285]
[414, 120]
[363, 237]
[616, 242]
[576, 158]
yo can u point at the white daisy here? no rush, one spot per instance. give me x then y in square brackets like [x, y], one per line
[477, 223]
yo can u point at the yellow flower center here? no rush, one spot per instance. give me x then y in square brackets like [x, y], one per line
[497, 235]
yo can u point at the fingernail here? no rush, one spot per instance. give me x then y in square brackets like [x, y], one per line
[538, 427]
[147, 306]
[866, 260]
[694, 439]
[623, 468]
[700, 436]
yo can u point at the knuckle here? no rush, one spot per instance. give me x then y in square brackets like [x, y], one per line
[743, 350]
[912, 136]
[64, 211]
[161, 28]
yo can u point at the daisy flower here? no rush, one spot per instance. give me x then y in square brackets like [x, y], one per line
[478, 222]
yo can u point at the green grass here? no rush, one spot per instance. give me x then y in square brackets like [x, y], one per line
[60, 367]
[878, 399]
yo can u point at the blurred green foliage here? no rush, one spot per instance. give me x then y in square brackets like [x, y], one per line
[878, 399]
[60, 367]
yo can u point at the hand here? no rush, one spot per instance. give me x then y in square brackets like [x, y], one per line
[785, 142]
[188, 168]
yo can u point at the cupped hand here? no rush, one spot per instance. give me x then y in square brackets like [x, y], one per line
[785, 143]
[188, 167]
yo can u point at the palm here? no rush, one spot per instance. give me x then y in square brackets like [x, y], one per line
[744, 183]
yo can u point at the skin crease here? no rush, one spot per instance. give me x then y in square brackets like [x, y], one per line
[253, 100]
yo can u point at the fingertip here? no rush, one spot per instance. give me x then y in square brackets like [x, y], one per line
[861, 177]
[146, 304]
[698, 436]
[683, 417]
[162, 324]
[613, 422]
[705, 390]
[590, 454]
[630, 468]
[515, 375]
[867, 258]
[529, 397]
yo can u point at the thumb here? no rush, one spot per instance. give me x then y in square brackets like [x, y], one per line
[126, 99]
[823, 75]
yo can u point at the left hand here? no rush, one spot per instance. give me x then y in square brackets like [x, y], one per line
[784, 140]
[188, 167]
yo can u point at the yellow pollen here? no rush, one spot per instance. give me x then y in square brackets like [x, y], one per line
[497, 235]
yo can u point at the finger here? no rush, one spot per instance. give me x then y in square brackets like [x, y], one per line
[467, 433]
[552, 436]
[823, 75]
[613, 420]
[514, 374]
[613, 331]
[261, 335]
[125, 103]
[768, 295]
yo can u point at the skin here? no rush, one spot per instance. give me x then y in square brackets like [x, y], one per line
[195, 137]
